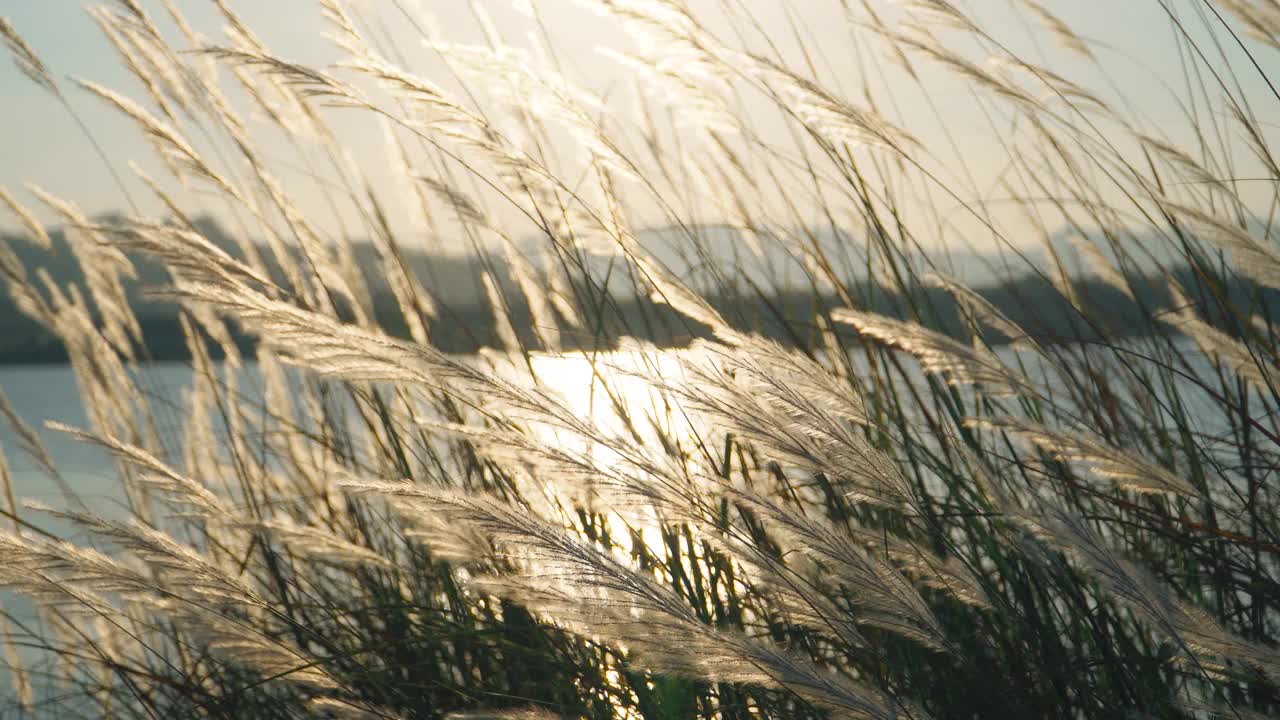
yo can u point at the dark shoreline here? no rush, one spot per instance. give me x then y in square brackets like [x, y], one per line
[786, 317]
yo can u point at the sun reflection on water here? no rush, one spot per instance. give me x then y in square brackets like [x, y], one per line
[621, 393]
[616, 389]
[624, 394]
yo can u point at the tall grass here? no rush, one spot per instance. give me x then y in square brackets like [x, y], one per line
[892, 516]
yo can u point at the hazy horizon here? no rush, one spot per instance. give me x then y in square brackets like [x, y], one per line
[42, 141]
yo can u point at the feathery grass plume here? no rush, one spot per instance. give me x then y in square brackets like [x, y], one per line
[178, 215]
[881, 595]
[110, 394]
[697, 99]
[789, 413]
[1191, 628]
[1254, 363]
[71, 574]
[360, 355]
[298, 275]
[19, 678]
[940, 354]
[324, 344]
[405, 176]
[176, 565]
[105, 269]
[631, 484]
[1058, 87]
[543, 93]
[947, 575]
[829, 116]
[318, 543]
[167, 68]
[545, 326]
[793, 583]
[138, 17]
[1105, 460]
[301, 81]
[940, 12]
[531, 185]
[201, 74]
[1260, 17]
[1255, 259]
[199, 446]
[35, 229]
[670, 38]
[1205, 637]
[560, 291]
[671, 290]
[6, 488]
[216, 329]
[920, 39]
[1256, 140]
[816, 499]
[458, 201]
[25, 58]
[186, 591]
[31, 444]
[80, 639]
[438, 107]
[1067, 37]
[26, 297]
[283, 111]
[791, 374]
[594, 469]
[1188, 166]
[981, 310]
[507, 338]
[415, 303]
[156, 474]
[591, 593]
[319, 257]
[185, 252]
[122, 39]
[240, 643]
[180, 157]
[292, 89]
[346, 36]
[1106, 270]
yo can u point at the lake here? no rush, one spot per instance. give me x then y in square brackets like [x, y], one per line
[40, 393]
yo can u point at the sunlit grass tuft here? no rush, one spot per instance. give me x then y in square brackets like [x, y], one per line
[898, 496]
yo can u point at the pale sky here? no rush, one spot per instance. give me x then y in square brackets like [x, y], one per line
[39, 142]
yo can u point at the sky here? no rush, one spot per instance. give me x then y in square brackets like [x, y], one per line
[40, 142]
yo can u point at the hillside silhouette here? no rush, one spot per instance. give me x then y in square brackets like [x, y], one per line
[764, 304]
